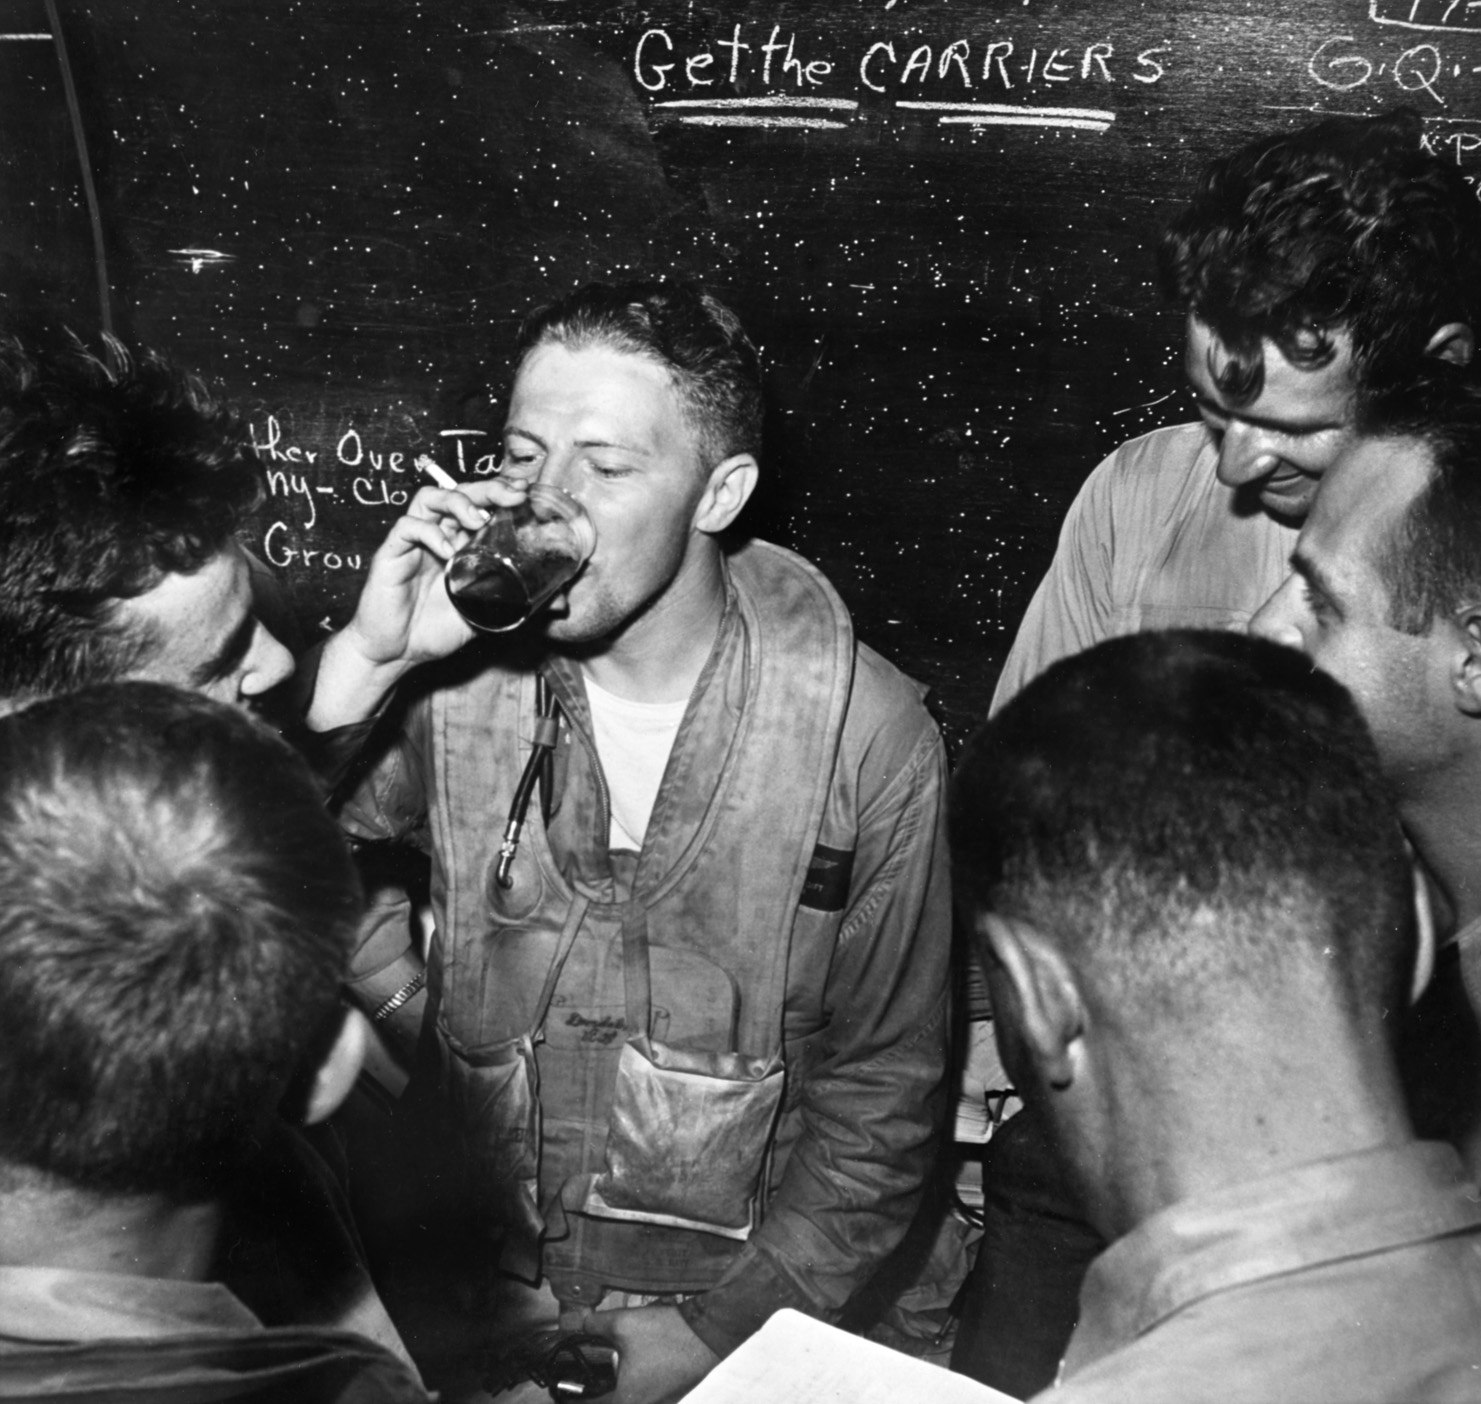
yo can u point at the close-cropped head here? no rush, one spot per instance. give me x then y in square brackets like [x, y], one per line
[1345, 225]
[692, 334]
[176, 912]
[1187, 814]
[119, 472]
[1431, 560]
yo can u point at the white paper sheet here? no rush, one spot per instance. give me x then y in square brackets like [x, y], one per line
[796, 1360]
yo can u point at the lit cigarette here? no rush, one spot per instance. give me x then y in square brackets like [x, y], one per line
[438, 474]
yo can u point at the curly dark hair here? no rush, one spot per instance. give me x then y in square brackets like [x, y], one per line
[116, 469]
[1347, 223]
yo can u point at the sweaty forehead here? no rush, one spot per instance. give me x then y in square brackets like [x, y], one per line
[1304, 396]
[598, 393]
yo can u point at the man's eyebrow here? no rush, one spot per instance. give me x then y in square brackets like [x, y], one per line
[1315, 577]
[231, 652]
[611, 444]
[525, 434]
[1260, 421]
[597, 443]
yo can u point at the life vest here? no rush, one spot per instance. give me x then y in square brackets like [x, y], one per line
[718, 881]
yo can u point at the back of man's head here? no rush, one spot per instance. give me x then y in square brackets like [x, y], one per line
[1347, 223]
[116, 470]
[1193, 819]
[699, 340]
[176, 910]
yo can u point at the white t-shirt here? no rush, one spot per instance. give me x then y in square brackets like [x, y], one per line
[633, 744]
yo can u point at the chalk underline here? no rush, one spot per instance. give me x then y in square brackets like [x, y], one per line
[738, 112]
[990, 119]
[739, 119]
[838, 104]
[1004, 109]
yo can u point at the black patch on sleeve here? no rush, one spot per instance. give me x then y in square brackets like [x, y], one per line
[828, 877]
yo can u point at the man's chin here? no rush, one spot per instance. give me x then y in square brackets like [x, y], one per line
[571, 630]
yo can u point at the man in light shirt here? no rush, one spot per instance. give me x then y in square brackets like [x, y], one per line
[1316, 268]
[1190, 893]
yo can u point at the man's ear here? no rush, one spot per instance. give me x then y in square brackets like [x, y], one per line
[1465, 672]
[1048, 1010]
[340, 1068]
[1454, 342]
[729, 488]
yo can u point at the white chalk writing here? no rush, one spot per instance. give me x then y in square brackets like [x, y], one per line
[1427, 14]
[1425, 72]
[278, 550]
[787, 72]
[347, 466]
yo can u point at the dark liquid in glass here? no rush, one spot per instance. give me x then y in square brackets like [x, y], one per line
[493, 599]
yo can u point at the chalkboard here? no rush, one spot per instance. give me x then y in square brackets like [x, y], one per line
[934, 217]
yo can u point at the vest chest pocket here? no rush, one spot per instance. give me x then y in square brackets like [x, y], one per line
[687, 1138]
[690, 1119]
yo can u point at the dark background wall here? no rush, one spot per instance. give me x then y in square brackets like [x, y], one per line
[934, 217]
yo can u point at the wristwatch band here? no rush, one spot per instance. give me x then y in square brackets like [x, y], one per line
[401, 996]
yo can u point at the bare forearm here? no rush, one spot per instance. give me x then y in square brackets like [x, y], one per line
[351, 685]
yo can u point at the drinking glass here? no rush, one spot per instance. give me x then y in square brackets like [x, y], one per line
[519, 558]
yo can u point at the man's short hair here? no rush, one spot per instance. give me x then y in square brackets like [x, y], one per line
[176, 913]
[699, 340]
[1188, 814]
[1346, 223]
[1430, 562]
[116, 469]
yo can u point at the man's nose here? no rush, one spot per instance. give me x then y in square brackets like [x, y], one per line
[560, 471]
[551, 475]
[1245, 455]
[268, 664]
[1276, 619]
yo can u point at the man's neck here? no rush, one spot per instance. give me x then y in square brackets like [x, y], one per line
[141, 1235]
[659, 656]
[1188, 1135]
[1444, 825]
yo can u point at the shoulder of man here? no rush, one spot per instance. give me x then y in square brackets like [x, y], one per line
[305, 1364]
[888, 727]
[1160, 460]
[885, 697]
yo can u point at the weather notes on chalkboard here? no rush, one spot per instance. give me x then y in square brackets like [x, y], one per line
[360, 469]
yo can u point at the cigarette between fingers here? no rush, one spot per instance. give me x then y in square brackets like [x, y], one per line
[435, 471]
